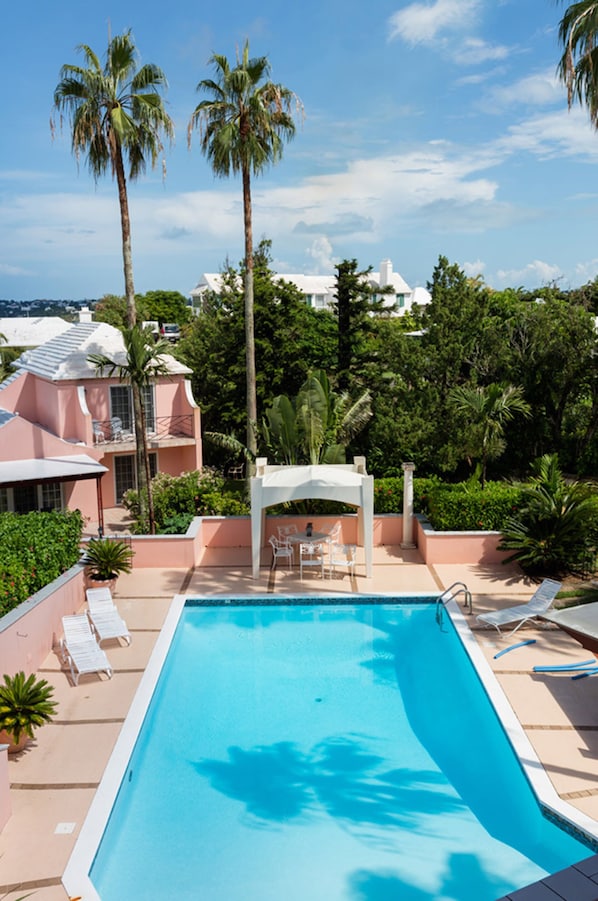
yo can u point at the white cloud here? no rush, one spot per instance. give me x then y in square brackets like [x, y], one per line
[586, 272]
[320, 251]
[537, 272]
[421, 23]
[7, 269]
[555, 134]
[473, 51]
[539, 89]
[474, 269]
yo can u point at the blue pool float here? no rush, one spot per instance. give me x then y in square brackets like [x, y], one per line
[563, 667]
[512, 647]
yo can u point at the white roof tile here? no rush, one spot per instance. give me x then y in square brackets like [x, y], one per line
[66, 356]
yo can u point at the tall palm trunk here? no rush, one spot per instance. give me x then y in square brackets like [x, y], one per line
[249, 320]
[141, 453]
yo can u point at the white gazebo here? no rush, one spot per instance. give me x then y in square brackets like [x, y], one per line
[348, 483]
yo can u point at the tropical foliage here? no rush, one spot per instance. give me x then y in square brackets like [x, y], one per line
[243, 124]
[487, 410]
[578, 31]
[556, 526]
[317, 426]
[144, 363]
[177, 499]
[108, 558]
[118, 118]
[25, 704]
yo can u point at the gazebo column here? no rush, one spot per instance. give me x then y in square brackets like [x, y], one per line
[408, 469]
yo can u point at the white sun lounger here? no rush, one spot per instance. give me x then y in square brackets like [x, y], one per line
[538, 604]
[104, 616]
[80, 649]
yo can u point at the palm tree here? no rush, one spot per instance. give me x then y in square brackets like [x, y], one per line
[488, 410]
[318, 425]
[117, 114]
[243, 125]
[143, 364]
[577, 68]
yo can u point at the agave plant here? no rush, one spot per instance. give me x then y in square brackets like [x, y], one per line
[108, 558]
[556, 525]
[25, 704]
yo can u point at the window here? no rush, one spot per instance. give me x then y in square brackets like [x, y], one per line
[52, 496]
[25, 498]
[125, 473]
[121, 405]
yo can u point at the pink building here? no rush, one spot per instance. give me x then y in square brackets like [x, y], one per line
[67, 433]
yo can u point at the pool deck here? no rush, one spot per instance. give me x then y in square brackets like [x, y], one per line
[53, 781]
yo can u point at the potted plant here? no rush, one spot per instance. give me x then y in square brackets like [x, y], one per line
[106, 559]
[25, 704]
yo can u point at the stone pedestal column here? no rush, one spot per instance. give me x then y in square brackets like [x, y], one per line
[408, 469]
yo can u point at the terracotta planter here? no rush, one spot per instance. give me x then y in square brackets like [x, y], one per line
[90, 582]
[7, 739]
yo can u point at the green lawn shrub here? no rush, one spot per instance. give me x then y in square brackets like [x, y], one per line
[35, 548]
[467, 507]
[388, 494]
[177, 499]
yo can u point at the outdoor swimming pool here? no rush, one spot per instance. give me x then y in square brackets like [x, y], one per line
[323, 753]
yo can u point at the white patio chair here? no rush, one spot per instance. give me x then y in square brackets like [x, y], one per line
[285, 531]
[105, 618]
[281, 550]
[116, 426]
[342, 556]
[311, 554]
[98, 433]
[334, 533]
[539, 603]
[80, 650]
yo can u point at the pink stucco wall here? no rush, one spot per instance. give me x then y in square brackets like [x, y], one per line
[5, 807]
[28, 634]
[178, 551]
[457, 547]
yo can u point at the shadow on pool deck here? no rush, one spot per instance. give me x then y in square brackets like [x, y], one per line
[53, 781]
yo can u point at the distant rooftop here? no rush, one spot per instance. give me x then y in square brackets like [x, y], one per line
[26, 331]
[66, 356]
[320, 290]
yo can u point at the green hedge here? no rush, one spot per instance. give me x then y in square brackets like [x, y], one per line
[35, 548]
[388, 494]
[470, 508]
[464, 507]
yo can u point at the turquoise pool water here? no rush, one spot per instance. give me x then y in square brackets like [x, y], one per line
[323, 753]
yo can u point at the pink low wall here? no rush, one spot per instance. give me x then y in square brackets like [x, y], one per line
[182, 551]
[5, 806]
[457, 547]
[176, 551]
[28, 633]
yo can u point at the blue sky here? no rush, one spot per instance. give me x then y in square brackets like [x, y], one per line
[434, 127]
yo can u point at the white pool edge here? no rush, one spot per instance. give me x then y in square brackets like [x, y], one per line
[76, 877]
[542, 787]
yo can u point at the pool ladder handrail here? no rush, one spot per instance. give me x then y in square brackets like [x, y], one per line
[450, 594]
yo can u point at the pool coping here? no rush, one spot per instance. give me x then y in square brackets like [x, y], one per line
[76, 877]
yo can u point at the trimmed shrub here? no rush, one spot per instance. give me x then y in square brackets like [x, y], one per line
[35, 548]
[388, 494]
[467, 507]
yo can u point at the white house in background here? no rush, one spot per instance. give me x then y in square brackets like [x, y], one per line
[319, 290]
[31, 331]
